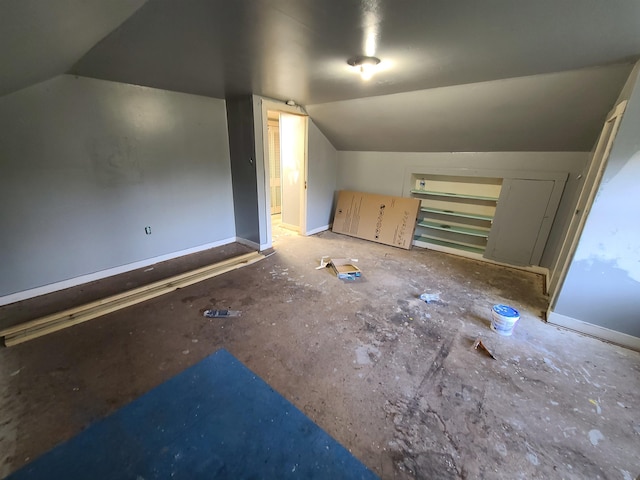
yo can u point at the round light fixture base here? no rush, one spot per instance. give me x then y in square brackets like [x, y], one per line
[360, 60]
[366, 65]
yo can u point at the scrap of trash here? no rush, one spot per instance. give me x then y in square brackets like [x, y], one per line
[324, 261]
[344, 268]
[478, 345]
[430, 297]
[221, 313]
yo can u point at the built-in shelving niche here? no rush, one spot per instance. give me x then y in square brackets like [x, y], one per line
[456, 211]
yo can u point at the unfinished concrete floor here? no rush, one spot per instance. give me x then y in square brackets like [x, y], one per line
[392, 378]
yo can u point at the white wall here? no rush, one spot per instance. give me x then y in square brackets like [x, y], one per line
[602, 286]
[385, 173]
[87, 164]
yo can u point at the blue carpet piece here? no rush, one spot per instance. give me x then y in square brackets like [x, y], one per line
[214, 420]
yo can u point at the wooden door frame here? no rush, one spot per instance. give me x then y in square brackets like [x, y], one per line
[585, 201]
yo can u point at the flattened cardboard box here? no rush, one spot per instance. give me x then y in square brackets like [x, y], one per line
[379, 218]
[344, 268]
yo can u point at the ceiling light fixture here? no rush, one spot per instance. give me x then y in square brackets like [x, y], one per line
[365, 65]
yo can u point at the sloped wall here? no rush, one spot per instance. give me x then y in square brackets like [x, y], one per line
[602, 286]
[88, 164]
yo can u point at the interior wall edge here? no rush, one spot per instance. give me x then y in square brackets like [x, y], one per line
[91, 277]
[243, 162]
[249, 243]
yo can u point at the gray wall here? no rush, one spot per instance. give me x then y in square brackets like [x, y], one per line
[243, 166]
[322, 172]
[602, 286]
[87, 164]
[385, 173]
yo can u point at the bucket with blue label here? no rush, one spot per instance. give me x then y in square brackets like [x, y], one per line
[503, 319]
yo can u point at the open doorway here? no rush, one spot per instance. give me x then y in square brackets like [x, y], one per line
[286, 166]
[275, 178]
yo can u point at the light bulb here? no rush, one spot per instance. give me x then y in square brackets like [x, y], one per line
[366, 72]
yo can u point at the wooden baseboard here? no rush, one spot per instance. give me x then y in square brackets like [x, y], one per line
[52, 323]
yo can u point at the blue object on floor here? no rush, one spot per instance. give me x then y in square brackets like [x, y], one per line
[214, 420]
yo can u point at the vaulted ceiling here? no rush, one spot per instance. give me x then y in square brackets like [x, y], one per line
[297, 49]
[42, 39]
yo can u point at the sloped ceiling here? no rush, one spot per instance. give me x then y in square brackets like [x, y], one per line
[549, 112]
[42, 39]
[297, 49]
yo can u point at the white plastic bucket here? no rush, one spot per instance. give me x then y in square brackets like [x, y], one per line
[503, 319]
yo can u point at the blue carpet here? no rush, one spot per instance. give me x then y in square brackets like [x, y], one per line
[214, 420]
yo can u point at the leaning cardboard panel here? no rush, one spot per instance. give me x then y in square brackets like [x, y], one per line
[379, 218]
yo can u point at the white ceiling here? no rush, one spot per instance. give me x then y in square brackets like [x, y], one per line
[297, 49]
[549, 112]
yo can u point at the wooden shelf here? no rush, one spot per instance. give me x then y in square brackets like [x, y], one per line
[475, 232]
[456, 212]
[459, 246]
[439, 211]
[454, 195]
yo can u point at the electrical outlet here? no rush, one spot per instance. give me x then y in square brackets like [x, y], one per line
[147, 230]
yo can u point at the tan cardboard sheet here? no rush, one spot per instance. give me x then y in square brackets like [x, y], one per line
[379, 218]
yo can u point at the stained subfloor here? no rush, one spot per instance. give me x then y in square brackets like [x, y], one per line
[392, 378]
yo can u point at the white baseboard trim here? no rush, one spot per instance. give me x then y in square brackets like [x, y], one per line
[288, 226]
[91, 277]
[531, 268]
[596, 331]
[318, 230]
[248, 243]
